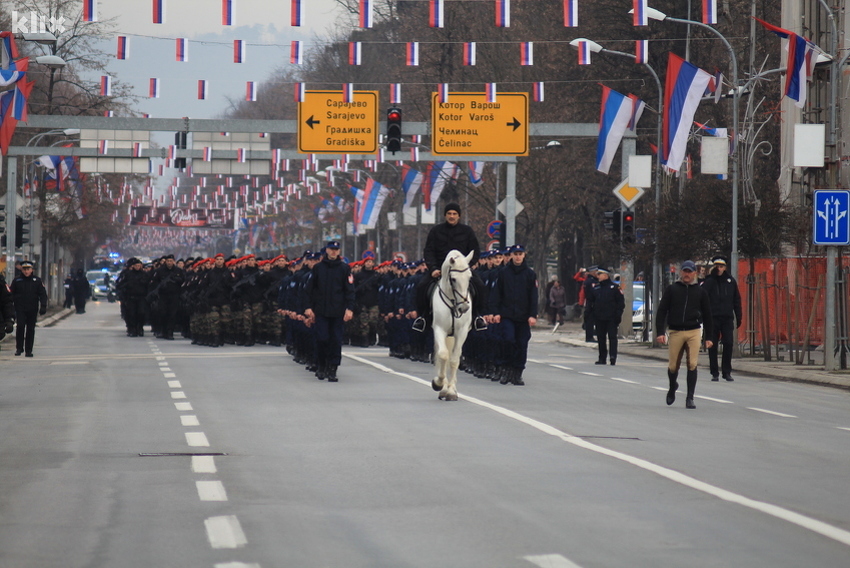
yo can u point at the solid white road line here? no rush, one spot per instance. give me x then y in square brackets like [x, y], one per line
[69, 363]
[178, 394]
[551, 561]
[211, 491]
[197, 439]
[809, 523]
[203, 464]
[189, 420]
[237, 565]
[771, 412]
[183, 406]
[174, 384]
[225, 532]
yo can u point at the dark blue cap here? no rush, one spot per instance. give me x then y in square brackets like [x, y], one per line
[517, 248]
[689, 265]
[332, 245]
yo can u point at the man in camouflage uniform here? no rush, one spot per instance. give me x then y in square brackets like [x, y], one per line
[366, 298]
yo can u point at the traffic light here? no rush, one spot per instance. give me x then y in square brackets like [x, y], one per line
[180, 140]
[627, 227]
[2, 219]
[21, 231]
[394, 130]
[609, 220]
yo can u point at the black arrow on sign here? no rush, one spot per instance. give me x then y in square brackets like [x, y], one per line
[516, 124]
[311, 122]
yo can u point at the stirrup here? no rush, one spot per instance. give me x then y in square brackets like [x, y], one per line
[419, 324]
[480, 324]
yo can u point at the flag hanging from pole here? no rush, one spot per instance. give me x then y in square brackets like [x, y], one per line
[799, 64]
[614, 118]
[491, 92]
[443, 93]
[411, 181]
[684, 87]
[300, 89]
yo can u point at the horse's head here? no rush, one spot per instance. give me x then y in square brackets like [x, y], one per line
[456, 276]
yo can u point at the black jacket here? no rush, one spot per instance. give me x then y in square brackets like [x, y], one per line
[724, 296]
[606, 301]
[516, 287]
[684, 307]
[216, 286]
[444, 238]
[331, 289]
[133, 284]
[7, 306]
[28, 293]
[167, 282]
[366, 288]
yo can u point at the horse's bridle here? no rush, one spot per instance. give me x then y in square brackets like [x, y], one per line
[456, 299]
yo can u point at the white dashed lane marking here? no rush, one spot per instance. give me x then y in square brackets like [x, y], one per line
[780, 414]
[625, 381]
[189, 420]
[203, 464]
[174, 384]
[551, 561]
[178, 394]
[183, 406]
[197, 439]
[225, 532]
[211, 491]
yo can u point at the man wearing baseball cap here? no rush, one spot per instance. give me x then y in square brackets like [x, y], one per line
[684, 308]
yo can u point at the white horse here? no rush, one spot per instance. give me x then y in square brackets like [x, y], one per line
[451, 306]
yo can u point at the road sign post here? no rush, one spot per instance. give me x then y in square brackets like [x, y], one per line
[329, 125]
[467, 124]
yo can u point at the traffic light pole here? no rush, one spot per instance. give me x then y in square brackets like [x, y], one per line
[11, 213]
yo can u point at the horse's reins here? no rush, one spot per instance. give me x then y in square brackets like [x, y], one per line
[456, 299]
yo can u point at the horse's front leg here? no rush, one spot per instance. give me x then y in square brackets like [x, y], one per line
[439, 361]
[454, 363]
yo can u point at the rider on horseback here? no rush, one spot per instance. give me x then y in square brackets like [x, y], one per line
[442, 239]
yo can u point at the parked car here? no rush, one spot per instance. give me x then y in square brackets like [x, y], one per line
[639, 306]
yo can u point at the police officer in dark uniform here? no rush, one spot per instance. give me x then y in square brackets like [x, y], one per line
[725, 299]
[132, 288]
[330, 305]
[517, 311]
[442, 239]
[606, 304]
[589, 325]
[30, 299]
[167, 282]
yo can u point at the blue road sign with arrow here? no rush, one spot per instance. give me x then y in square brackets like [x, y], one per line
[831, 217]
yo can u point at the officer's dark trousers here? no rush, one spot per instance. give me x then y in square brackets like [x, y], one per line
[168, 306]
[724, 332]
[134, 314]
[25, 332]
[329, 339]
[606, 332]
[517, 335]
[423, 302]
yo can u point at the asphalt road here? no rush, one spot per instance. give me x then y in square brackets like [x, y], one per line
[138, 452]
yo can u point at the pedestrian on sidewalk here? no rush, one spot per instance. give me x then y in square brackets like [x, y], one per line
[726, 311]
[606, 305]
[30, 299]
[587, 285]
[557, 302]
[684, 308]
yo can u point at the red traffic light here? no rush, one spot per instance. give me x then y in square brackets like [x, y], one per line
[394, 115]
[628, 217]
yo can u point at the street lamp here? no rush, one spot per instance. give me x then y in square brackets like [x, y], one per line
[656, 268]
[654, 14]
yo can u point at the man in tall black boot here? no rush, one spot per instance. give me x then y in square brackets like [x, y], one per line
[442, 239]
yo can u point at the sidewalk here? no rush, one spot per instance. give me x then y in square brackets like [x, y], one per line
[52, 316]
[571, 334]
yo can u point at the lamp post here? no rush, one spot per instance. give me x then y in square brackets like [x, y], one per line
[736, 94]
[656, 268]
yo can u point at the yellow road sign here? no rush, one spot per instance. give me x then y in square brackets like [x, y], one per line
[469, 125]
[328, 125]
[627, 194]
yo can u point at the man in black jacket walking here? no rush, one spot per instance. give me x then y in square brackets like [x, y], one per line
[28, 294]
[330, 303]
[132, 288]
[605, 304]
[725, 301]
[442, 239]
[684, 307]
[517, 311]
[166, 284]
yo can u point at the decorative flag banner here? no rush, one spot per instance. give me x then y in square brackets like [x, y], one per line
[503, 13]
[444, 92]
[202, 89]
[250, 91]
[297, 13]
[436, 13]
[238, 51]
[642, 51]
[137, 149]
[436, 177]
[684, 87]
[614, 118]
[640, 17]
[296, 56]
[469, 53]
[89, 10]
[799, 66]
[412, 53]
[475, 173]
[371, 203]
[158, 11]
[153, 91]
[491, 92]
[300, 92]
[103, 147]
[348, 92]
[395, 93]
[414, 154]
[366, 13]
[411, 181]
[123, 48]
[17, 70]
[355, 51]
[718, 86]
[105, 86]
[709, 12]
[241, 155]
[638, 106]
[226, 12]
[538, 92]
[570, 13]
[172, 152]
[182, 49]
[583, 53]
[526, 50]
